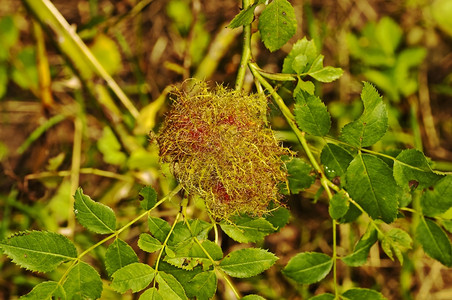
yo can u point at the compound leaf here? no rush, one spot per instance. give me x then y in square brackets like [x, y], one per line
[244, 18]
[47, 290]
[148, 243]
[371, 184]
[362, 248]
[118, 255]
[277, 24]
[359, 294]
[94, 216]
[170, 287]
[247, 262]
[148, 197]
[311, 114]
[135, 276]
[245, 229]
[83, 282]
[434, 241]
[438, 200]
[308, 267]
[371, 126]
[39, 251]
[412, 169]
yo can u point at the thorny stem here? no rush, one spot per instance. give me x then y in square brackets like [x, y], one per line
[246, 51]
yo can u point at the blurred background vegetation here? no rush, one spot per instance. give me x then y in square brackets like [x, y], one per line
[67, 122]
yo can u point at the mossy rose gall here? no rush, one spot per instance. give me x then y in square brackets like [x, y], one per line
[220, 147]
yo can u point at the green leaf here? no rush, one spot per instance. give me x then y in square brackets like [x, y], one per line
[252, 297]
[299, 63]
[371, 126]
[245, 229]
[335, 160]
[247, 262]
[300, 177]
[301, 47]
[371, 184]
[339, 205]
[306, 86]
[170, 287]
[396, 240]
[151, 294]
[39, 251]
[148, 243]
[199, 228]
[3, 79]
[438, 199]
[94, 216]
[326, 296]
[203, 286]
[183, 276]
[327, 74]
[411, 169]
[278, 217]
[107, 53]
[434, 241]
[311, 114]
[118, 255]
[351, 215]
[159, 228]
[135, 276]
[148, 198]
[83, 282]
[360, 294]
[361, 251]
[308, 267]
[277, 24]
[25, 72]
[47, 290]
[244, 18]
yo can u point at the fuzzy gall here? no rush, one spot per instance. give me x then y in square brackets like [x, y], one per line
[220, 147]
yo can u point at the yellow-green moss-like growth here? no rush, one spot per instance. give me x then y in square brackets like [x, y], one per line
[220, 147]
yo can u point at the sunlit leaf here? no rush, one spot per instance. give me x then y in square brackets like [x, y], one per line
[170, 287]
[118, 255]
[83, 282]
[247, 262]
[159, 228]
[395, 241]
[438, 199]
[245, 229]
[151, 294]
[94, 216]
[39, 251]
[339, 205]
[335, 160]
[46, 290]
[304, 48]
[327, 74]
[148, 243]
[135, 276]
[203, 285]
[308, 267]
